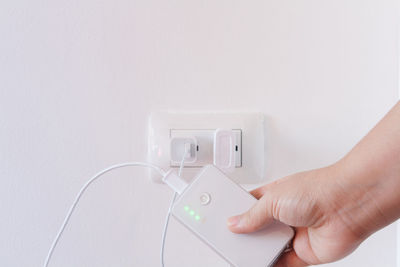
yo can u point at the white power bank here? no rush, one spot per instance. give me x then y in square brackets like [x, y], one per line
[206, 204]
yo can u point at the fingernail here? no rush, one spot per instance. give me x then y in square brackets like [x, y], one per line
[234, 221]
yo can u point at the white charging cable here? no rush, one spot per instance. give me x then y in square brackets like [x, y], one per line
[164, 234]
[83, 189]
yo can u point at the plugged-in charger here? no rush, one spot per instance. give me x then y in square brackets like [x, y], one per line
[183, 146]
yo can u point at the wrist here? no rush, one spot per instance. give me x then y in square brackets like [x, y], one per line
[359, 198]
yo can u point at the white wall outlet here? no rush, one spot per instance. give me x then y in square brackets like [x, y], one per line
[248, 128]
[205, 146]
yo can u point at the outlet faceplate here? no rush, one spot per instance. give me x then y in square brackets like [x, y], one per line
[247, 126]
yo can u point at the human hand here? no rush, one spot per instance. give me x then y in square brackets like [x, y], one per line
[318, 204]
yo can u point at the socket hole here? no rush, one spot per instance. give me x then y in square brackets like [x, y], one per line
[197, 148]
[236, 148]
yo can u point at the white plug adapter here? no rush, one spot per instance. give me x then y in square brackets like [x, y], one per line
[181, 146]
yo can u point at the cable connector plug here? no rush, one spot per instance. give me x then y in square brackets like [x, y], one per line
[174, 181]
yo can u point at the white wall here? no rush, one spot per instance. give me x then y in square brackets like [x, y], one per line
[398, 244]
[78, 80]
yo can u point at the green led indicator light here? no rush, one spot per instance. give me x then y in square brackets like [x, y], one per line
[192, 213]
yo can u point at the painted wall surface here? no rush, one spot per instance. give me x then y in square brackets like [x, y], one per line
[78, 80]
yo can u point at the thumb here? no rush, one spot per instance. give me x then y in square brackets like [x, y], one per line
[254, 219]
